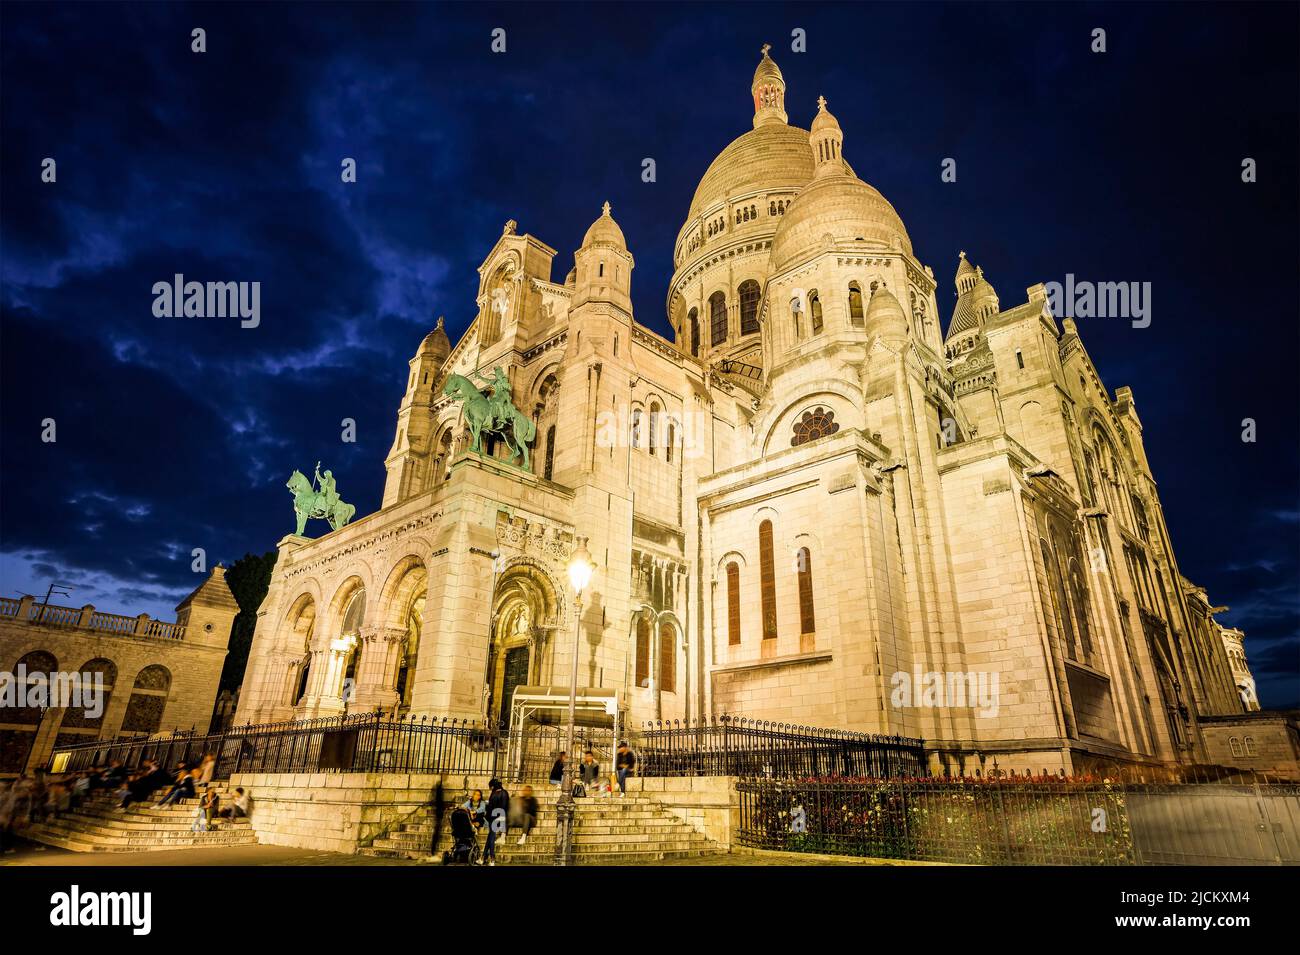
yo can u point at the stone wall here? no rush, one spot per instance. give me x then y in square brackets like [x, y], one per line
[332, 812]
[709, 804]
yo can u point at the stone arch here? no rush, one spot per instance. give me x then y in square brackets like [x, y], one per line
[729, 557]
[297, 631]
[38, 665]
[402, 603]
[526, 611]
[776, 425]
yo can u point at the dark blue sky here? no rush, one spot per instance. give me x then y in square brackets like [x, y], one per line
[175, 434]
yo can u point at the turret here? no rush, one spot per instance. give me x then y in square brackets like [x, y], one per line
[604, 266]
[408, 459]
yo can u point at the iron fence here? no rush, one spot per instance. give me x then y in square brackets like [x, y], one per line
[1007, 820]
[364, 743]
[734, 746]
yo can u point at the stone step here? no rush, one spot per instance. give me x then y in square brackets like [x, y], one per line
[546, 856]
[99, 842]
[674, 840]
[73, 823]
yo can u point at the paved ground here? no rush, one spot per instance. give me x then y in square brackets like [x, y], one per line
[29, 854]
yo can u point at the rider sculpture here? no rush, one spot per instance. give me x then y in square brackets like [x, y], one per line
[322, 503]
[493, 414]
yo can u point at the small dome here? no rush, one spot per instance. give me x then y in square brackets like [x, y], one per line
[885, 317]
[605, 231]
[824, 119]
[842, 206]
[767, 70]
[436, 343]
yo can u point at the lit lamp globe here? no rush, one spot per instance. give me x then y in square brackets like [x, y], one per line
[581, 567]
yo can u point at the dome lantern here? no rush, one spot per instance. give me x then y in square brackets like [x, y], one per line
[769, 91]
[827, 141]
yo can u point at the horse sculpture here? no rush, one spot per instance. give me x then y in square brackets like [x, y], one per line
[483, 415]
[323, 504]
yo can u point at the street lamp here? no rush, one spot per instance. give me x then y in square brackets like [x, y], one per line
[581, 567]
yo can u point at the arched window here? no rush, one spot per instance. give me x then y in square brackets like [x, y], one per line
[444, 450]
[667, 657]
[410, 652]
[812, 425]
[807, 618]
[643, 650]
[670, 441]
[96, 676]
[549, 468]
[694, 321]
[1235, 745]
[352, 618]
[815, 308]
[144, 711]
[717, 318]
[1079, 599]
[856, 315]
[749, 296]
[1250, 745]
[733, 604]
[38, 665]
[654, 425]
[767, 579]
[636, 428]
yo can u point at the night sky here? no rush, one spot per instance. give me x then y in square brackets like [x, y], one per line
[177, 433]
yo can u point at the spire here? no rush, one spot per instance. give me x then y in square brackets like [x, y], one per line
[769, 91]
[827, 139]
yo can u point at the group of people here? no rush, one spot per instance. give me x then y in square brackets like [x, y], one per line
[499, 813]
[590, 781]
[31, 800]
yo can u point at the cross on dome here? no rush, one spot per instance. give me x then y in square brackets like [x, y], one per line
[821, 103]
[605, 208]
[766, 47]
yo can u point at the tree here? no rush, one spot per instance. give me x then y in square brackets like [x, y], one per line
[248, 579]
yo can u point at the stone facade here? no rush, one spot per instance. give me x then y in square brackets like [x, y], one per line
[808, 498]
[1264, 742]
[158, 676]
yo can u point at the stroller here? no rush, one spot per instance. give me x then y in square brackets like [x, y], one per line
[464, 840]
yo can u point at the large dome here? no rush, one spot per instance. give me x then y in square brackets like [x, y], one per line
[843, 207]
[772, 156]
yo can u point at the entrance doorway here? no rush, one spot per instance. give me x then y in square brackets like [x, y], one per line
[516, 675]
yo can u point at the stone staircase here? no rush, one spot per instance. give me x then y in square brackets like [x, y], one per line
[606, 830]
[99, 826]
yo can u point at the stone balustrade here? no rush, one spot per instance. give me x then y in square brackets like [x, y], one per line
[29, 610]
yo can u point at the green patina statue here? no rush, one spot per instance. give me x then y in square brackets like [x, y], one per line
[496, 414]
[322, 503]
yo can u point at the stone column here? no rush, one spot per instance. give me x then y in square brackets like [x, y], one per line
[381, 655]
[325, 695]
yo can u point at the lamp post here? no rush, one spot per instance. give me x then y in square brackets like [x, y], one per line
[581, 567]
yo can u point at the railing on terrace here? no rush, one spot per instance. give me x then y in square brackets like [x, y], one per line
[364, 743]
[734, 746]
[28, 610]
[1010, 820]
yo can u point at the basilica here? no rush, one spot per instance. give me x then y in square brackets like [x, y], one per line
[821, 488]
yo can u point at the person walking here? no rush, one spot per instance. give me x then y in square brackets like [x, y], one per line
[624, 764]
[498, 812]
